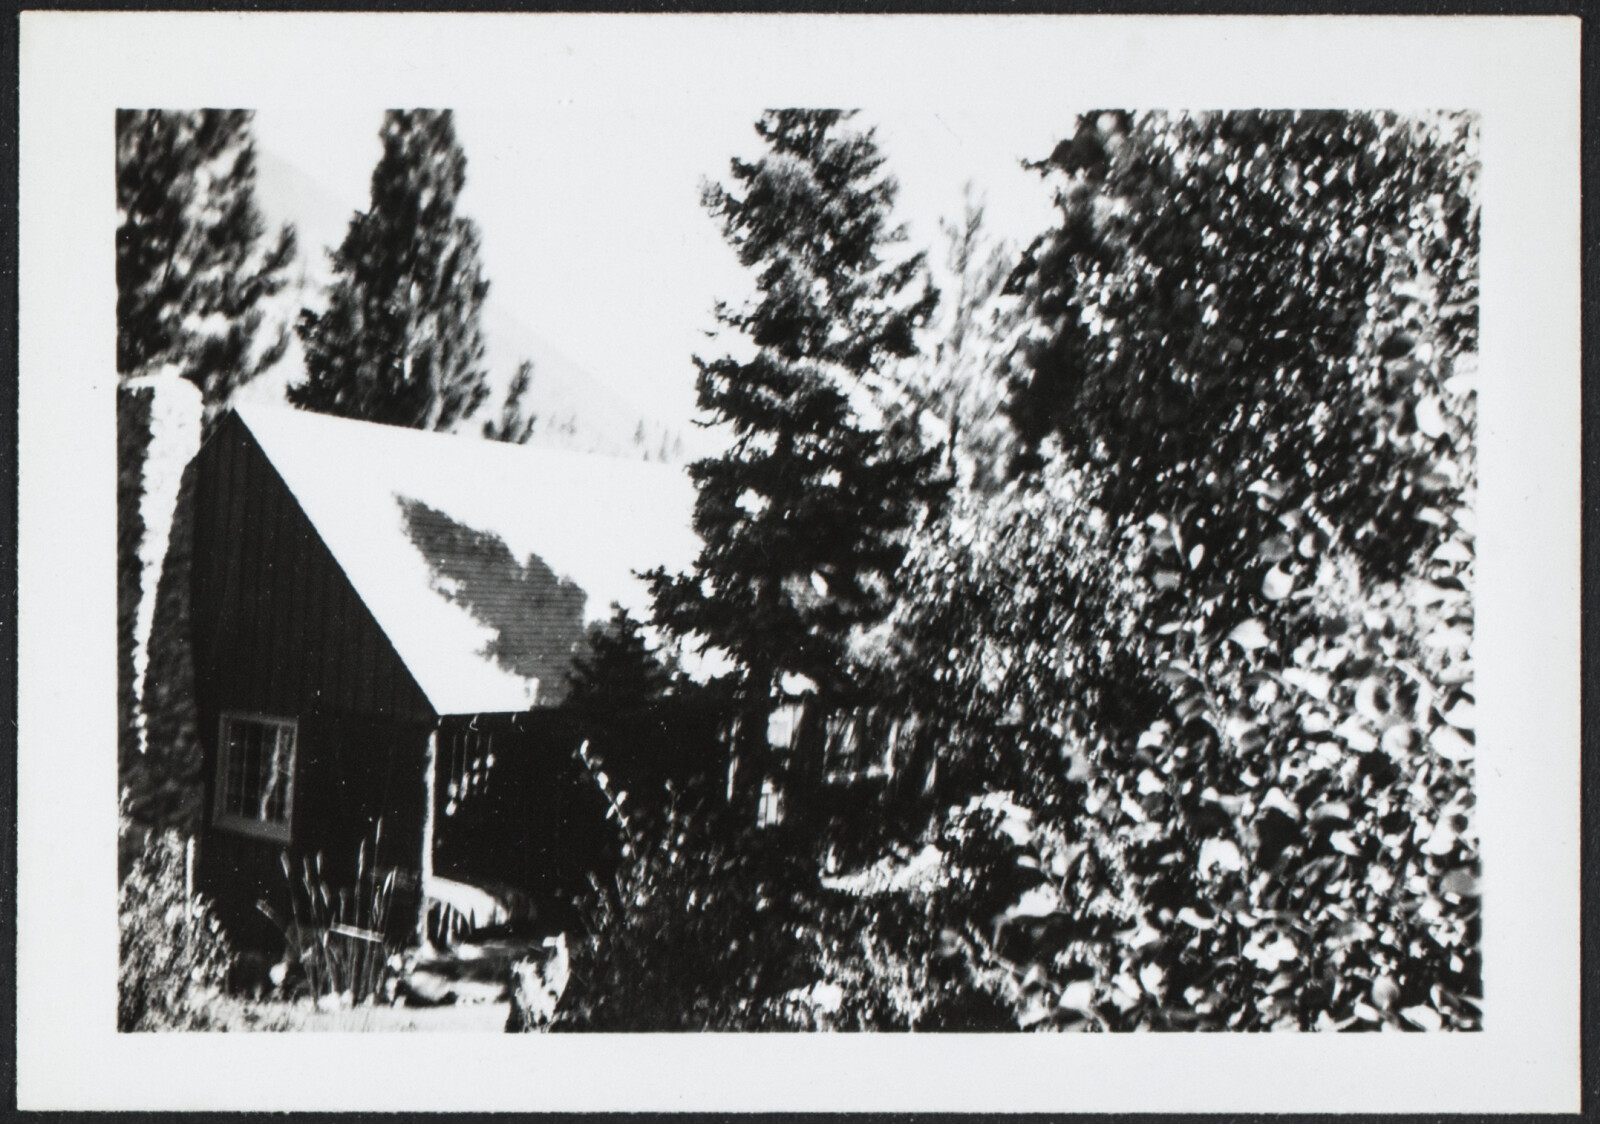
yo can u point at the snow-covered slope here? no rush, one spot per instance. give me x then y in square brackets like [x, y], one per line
[577, 409]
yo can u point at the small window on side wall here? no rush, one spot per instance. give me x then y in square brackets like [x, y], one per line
[255, 775]
[770, 810]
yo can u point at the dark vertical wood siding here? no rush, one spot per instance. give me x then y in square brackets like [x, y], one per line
[278, 627]
[539, 822]
[278, 630]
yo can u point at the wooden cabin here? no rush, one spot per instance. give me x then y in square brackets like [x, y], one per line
[383, 621]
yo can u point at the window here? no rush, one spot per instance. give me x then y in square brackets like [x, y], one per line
[471, 758]
[255, 775]
[841, 745]
[770, 809]
[783, 723]
[862, 743]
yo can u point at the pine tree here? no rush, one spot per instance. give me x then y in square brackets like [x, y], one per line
[400, 340]
[652, 728]
[618, 667]
[192, 271]
[804, 517]
[193, 276]
[964, 385]
[513, 426]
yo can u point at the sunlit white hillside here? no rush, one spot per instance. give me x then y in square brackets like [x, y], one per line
[576, 408]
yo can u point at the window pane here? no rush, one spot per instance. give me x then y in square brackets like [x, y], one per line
[270, 776]
[286, 736]
[257, 769]
[252, 768]
[233, 799]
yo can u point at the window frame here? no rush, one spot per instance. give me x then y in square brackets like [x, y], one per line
[769, 807]
[273, 831]
[471, 761]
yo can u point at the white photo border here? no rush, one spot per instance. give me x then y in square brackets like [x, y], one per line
[1521, 74]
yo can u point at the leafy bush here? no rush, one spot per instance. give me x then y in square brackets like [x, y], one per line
[696, 930]
[1197, 660]
[717, 926]
[173, 949]
[907, 943]
[1217, 633]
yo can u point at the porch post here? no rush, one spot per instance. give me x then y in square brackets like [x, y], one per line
[430, 783]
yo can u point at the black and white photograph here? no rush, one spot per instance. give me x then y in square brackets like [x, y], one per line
[807, 556]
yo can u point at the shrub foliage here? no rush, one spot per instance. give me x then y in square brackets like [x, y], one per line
[1198, 658]
[173, 949]
[1232, 589]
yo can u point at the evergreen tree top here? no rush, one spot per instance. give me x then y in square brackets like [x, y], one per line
[400, 341]
[814, 217]
[804, 518]
[192, 268]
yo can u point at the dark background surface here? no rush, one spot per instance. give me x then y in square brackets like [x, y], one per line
[1591, 444]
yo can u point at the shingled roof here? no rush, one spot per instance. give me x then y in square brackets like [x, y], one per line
[481, 561]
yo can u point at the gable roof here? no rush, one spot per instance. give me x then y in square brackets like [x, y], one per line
[481, 561]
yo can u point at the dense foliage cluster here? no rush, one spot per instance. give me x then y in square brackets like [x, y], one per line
[173, 949]
[698, 931]
[192, 269]
[1235, 592]
[715, 924]
[1198, 652]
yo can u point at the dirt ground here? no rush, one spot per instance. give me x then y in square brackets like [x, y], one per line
[465, 988]
[250, 1015]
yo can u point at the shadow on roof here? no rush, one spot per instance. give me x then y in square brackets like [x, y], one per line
[536, 617]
